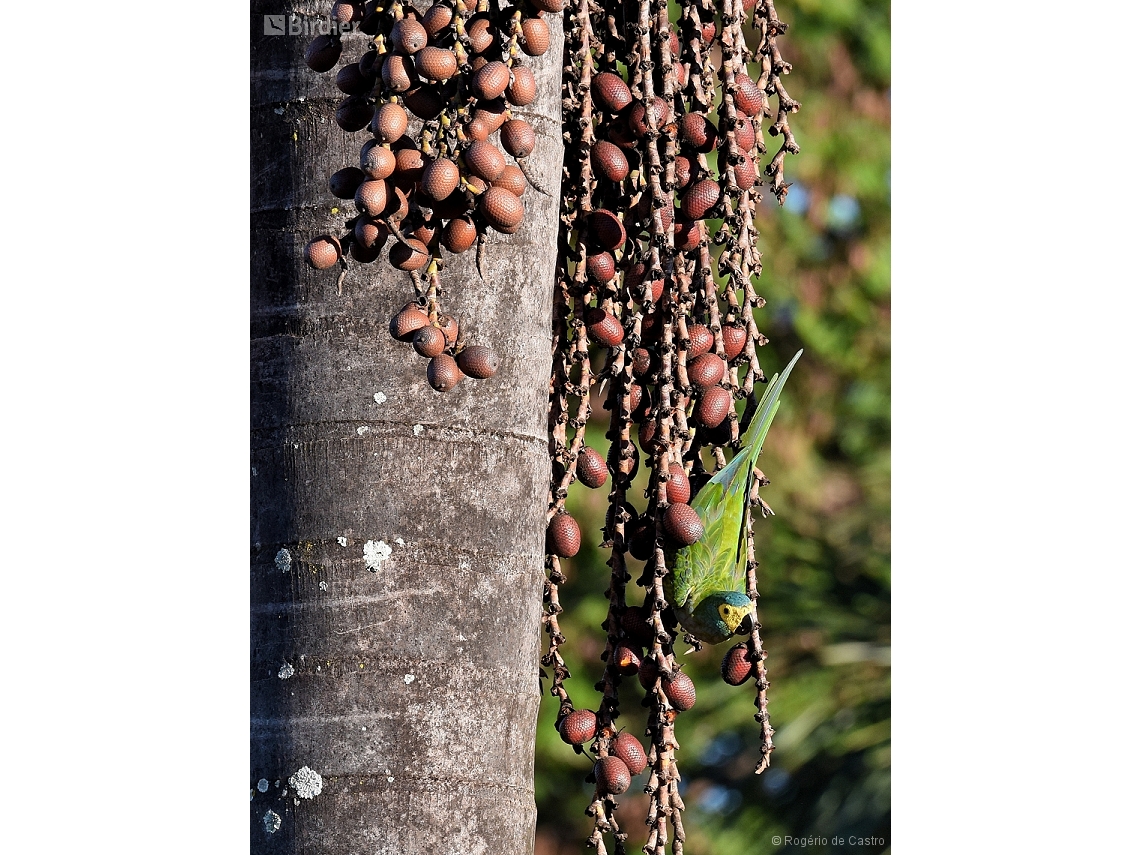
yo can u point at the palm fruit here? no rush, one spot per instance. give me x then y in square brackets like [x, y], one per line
[443, 373]
[706, 371]
[428, 341]
[407, 322]
[714, 407]
[322, 252]
[436, 63]
[627, 747]
[484, 160]
[440, 178]
[609, 160]
[680, 691]
[578, 727]
[700, 199]
[736, 667]
[323, 53]
[477, 361]
[611, 91]
[511, 178]
[677, 487]
[523, 88]
[458, 235]
[734, 338]
[491, 81]
[681, 523]
[405, 257]
[749, 99]
[502, 209]
[408, 35]
[563, 537]
[701, 340]
[353, 113]
[603, 328]
[344, 182]
[591, 468]
[626, 660]
[376, 160]
[612, 775]
[536, 36]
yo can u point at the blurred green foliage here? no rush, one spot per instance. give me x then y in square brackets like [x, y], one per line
[825, 557]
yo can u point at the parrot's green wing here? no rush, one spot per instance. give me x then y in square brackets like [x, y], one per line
[716, 561]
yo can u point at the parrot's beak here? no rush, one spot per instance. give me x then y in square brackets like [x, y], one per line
[746, 622]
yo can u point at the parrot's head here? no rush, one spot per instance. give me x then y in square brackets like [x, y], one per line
[723, 613]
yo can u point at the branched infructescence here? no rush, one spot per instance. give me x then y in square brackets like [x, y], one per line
[645, 110]
[433, 88]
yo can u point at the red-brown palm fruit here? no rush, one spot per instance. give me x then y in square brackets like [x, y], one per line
[481, 34]
[398, 205]
[404, 257]
[458, 235]
[491, 81]
[625, 513]
[517, 137]
[687, 235]
[322, 252]
[494, 113]
[697, 131]
[682, 72]
[591, 468]
[639, 118]
[370, 233]
[734, 338]
[706, 371]
[606, 230]
[629, 750]
[701, 341]
[484, 160]
[642, 362]
[603, 328]
[578, 727]
[501, 208]
[601, 266]
[682, 524]
[443, 373]
[390, 122]
[647, 673]
[677, 485]
[424, 102]
[371, 62]
[477, 129]
[651, 328]
[674, 43]
[563, 537]
[408, 36]
[745, 173]
[352, 81]
[612, 775]
[440, 178]
[708, 32]
[376, 160]
[450, 329]
[609, 160]
[399, 73]
[621, 136]
[736, 667]
[344, 182]
[523, 88]
[424, 230]
[639, 402]
[345, 12]
[610, 91]
[372, 197]
[407, 322]
[685, 168]
[680, 691]
[410, 163]
[536, 36]
[353, 113]
[749, 99]
[436, 63]
[478, 62]
[511, 178]
[626, 660]
[700, 199]
[477, 361]
[714, 407]
[428, 341]
[323, 53]
[745, 134]
[436, 18]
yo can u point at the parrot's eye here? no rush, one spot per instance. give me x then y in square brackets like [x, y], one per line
[724, 611]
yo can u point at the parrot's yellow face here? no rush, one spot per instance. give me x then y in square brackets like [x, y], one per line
[733, 615]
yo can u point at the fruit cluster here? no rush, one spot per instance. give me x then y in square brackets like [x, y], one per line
[433, 89]
[661, 179]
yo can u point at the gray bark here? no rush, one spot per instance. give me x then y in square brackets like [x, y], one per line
[409, 687]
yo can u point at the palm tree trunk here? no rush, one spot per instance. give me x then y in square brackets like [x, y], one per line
[397, 533]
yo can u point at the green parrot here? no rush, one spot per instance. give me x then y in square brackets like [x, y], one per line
[705, 582]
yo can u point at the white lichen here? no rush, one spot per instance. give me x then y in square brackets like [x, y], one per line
[272, 821]
[306, 782]
[408, 678]
[376, 551]
[285, 673]
[379, 397]
[363, 429]
[283, 560]
[324, 586]
[342, 541]
[263, 786]
[400, 541]
[418, 429]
